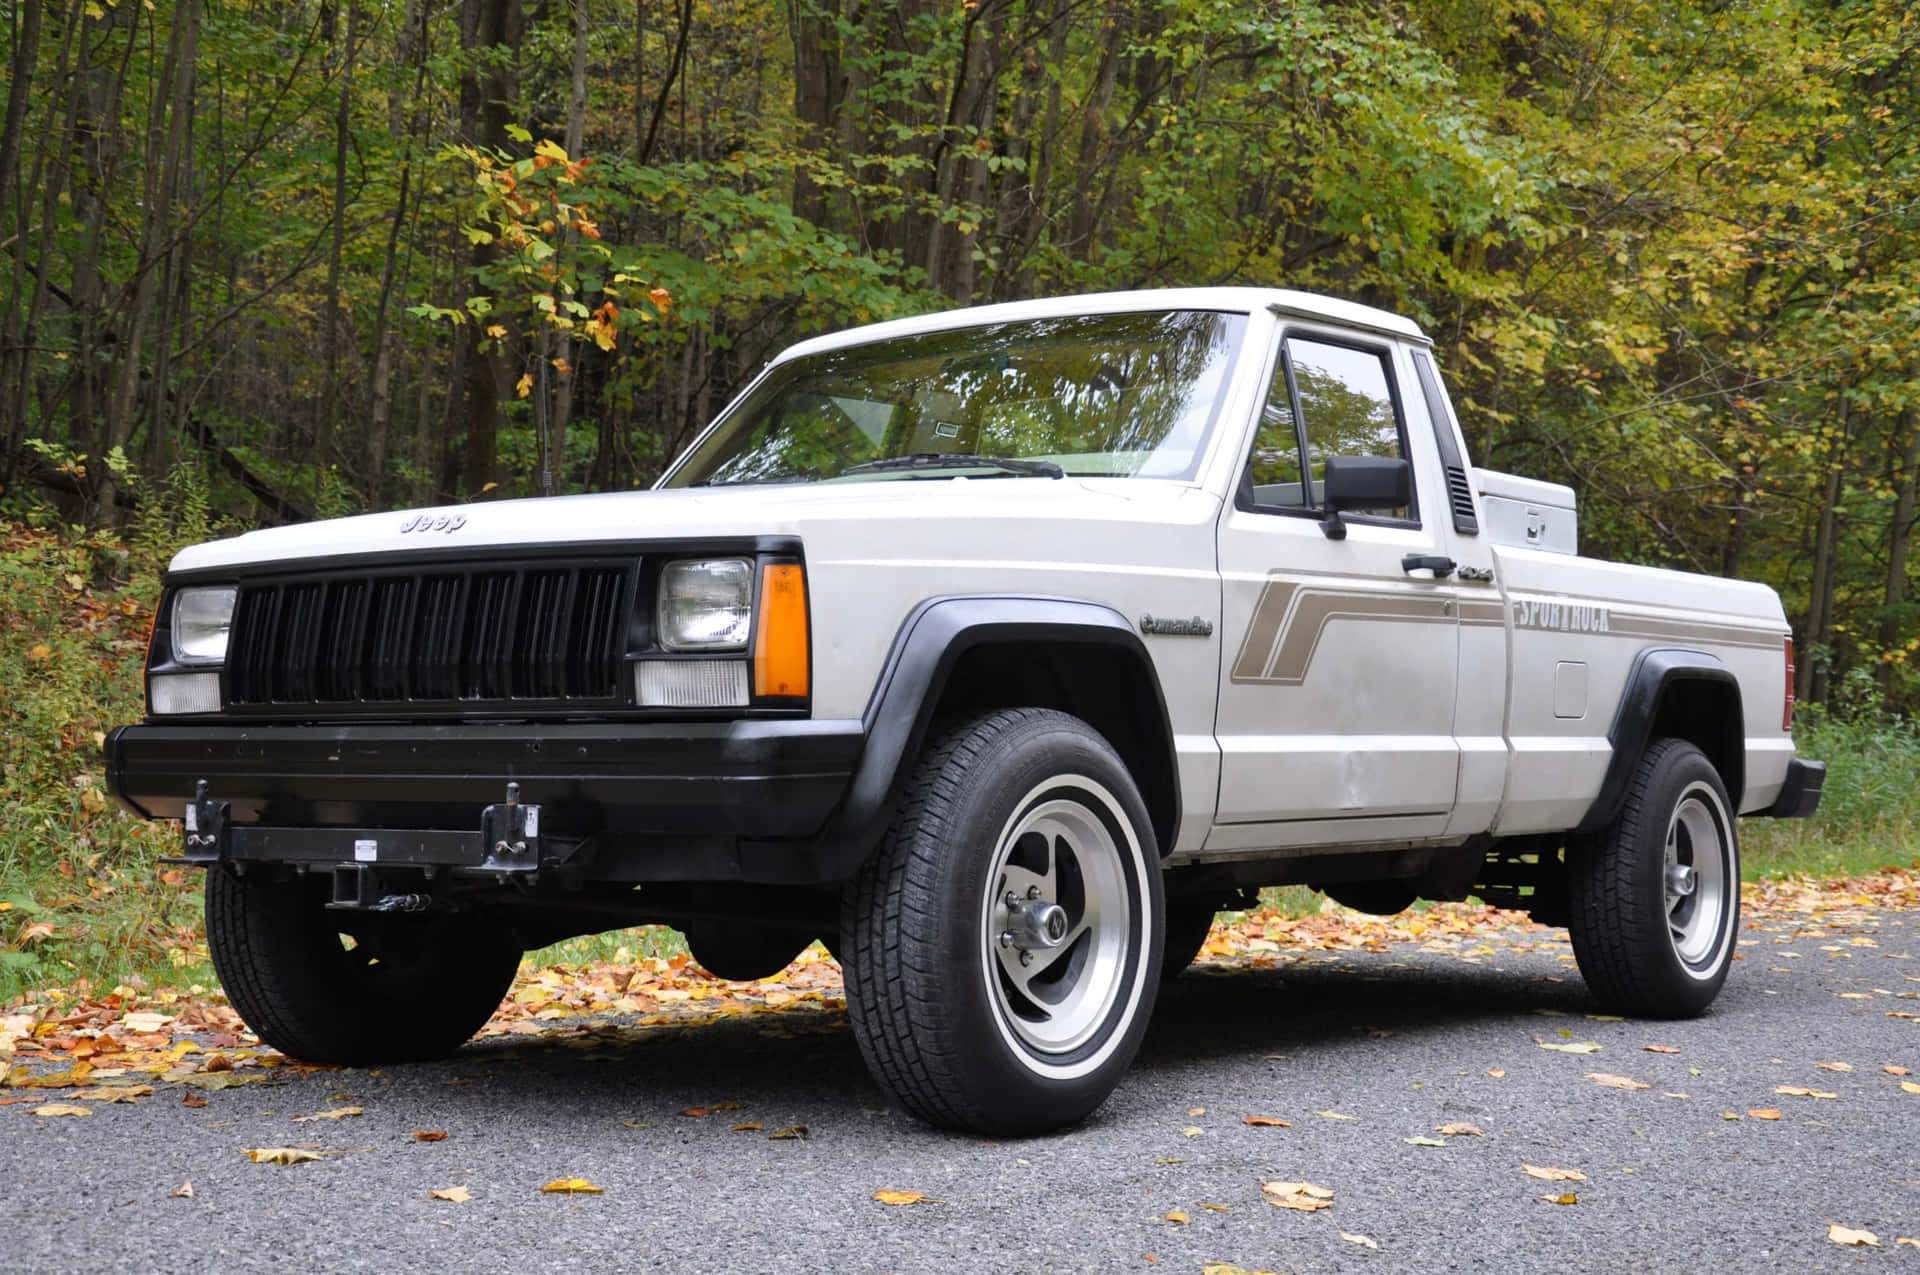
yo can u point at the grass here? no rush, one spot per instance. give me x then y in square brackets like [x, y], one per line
[84, 898]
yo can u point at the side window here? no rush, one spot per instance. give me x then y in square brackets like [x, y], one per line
[1275, 463]
[1346, 408]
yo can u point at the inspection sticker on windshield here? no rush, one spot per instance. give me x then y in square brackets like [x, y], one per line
[365, 850]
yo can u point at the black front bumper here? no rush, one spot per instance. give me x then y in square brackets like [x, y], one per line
[650, 801]
[1800, 795]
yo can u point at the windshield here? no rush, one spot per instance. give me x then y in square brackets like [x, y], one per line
[1109, 395]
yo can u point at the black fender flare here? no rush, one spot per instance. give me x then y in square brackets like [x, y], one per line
[1651, 679]
[900, 712]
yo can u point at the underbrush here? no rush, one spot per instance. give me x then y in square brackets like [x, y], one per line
[81, 894]
[1869, 815]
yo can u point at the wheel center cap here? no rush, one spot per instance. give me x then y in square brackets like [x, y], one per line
[1038, 924]
[1681, 880]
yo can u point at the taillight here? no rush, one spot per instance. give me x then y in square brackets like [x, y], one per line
[1786, 696]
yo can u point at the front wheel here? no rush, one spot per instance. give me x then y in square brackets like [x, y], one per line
[328, 986]
[1003, 946]
[1654, 898]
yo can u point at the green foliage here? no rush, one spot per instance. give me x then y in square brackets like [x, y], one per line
[84, 896]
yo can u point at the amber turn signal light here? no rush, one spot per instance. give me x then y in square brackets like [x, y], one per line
[780, 654]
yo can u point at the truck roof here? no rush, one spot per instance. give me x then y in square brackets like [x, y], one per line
[1304, 305]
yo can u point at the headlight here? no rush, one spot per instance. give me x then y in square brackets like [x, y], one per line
[706, 605]
[201, 620]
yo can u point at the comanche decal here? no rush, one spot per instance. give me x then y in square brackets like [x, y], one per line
[1193, 626]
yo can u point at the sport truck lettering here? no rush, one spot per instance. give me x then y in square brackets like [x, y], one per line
[1566, 617]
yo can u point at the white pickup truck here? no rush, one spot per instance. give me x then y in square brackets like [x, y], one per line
[998, 649]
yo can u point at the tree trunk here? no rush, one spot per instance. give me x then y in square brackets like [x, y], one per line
[332, 331]
[165, 157]
[1816, 656]
[1899, 547]
[1093, 135]
[486, 100]
[576, 137]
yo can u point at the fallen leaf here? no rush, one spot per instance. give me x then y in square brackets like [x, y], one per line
[191, 1099]
[1196, 1111]
[1571, 1047]
[1729, 1115]
[1267, 1122]
[1303, 1196]
[1178, 1216]
[1461, 1129]
[61, 1109]
[1895, 1071]
[1834, 1066]
[1218, 1208]
[1335, 1115]
[1568, 1198]
[697, 1112]
[1907, 1086]
[455, 1194]
[1764, 1113]
[1546, 1174]
[1192, 1131]
[1661, 1049]
[1498, 1073]
[280, 1155]
[1424, 1142]
[1796, 1091]
[571, 1186]
[1846, 1235]
[331, 1113]
[1903, 1239]
[115, 1093]
[902, 1197]
[429, 1135]
[1607, 1080]
[184, 1193]
[215, 1079]
[748, 1128]
[789, 1134]
[1364, 1241]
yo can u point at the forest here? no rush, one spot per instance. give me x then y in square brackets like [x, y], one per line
[272, 260]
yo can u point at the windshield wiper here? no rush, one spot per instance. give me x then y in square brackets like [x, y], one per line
[958, 460]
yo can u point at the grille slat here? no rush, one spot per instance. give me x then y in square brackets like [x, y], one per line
[442, 637]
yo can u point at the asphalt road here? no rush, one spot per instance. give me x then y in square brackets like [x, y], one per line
[1402, 1041]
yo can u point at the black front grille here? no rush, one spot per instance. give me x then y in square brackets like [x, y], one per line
[452, 636]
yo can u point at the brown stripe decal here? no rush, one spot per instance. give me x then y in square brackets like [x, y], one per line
[1289, 620]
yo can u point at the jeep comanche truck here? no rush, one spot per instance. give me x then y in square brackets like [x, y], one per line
[998, 649]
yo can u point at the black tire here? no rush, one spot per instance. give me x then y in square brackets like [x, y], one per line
[1189, 921]
[1375, 898]
[409, 988]
[963, 1025]
[1652, 944]
[742, 953]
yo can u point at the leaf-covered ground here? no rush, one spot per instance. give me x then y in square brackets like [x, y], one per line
[80, 1046]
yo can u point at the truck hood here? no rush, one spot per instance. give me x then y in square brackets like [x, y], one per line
[708, 512]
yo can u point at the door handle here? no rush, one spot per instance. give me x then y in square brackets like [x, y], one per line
[1441, 567]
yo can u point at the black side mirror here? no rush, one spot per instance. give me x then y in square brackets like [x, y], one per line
[1364, 482]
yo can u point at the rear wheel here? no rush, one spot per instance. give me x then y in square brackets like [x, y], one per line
[1002, 948]
[351, 988]
[1655, 896]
